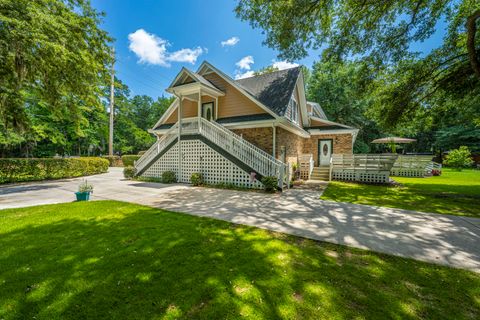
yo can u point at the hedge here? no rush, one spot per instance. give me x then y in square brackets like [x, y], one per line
[128, 159]
[17, 170]
[115, 161]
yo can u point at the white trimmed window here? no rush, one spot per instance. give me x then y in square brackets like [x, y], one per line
[294, 110]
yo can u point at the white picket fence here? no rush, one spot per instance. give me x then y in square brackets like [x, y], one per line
[254, 157]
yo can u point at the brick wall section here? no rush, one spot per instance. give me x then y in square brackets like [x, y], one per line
[260, 137]
[294, 144]
[342, 143]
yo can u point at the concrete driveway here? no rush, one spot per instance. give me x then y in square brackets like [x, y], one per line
[442, 239]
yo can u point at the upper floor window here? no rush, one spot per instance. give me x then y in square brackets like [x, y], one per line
[294, 116]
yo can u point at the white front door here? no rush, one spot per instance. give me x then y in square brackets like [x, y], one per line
[324, 152]
[207, 110]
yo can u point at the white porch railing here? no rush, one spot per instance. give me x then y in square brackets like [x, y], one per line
[246, 152]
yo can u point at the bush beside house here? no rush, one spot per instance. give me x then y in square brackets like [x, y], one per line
[18, 170]
[270, 183]
[129, 172]
[197, 179]
[129, 159]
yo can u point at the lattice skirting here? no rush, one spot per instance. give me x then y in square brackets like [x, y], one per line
[198, 157]
[408, 173]
[361, 176]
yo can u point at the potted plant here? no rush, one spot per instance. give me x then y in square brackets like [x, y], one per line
[84, 190]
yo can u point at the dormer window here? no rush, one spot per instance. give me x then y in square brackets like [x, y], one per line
[293, 110]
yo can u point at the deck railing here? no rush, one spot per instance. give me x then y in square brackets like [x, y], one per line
[373, 168]
[259, 160]
[413, 166]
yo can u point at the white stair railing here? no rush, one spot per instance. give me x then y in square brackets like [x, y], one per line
[246, 152]
[156, 148]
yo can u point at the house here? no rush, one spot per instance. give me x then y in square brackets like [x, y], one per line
[247, 129]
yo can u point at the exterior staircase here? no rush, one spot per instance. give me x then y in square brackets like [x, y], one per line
[243, 153]
[320, 173]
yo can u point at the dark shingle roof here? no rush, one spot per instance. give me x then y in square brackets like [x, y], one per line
[272, 89]
[252, 117]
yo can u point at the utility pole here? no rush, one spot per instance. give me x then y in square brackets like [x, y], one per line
[110, 133]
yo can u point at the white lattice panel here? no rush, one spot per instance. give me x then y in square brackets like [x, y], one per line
[409, 173]
[369, 177]
[198, 157]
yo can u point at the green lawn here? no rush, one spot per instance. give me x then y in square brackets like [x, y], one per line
[454, 192]
[116, 260]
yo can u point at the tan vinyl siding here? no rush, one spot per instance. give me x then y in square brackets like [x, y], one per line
[189, 110]
[234, 103]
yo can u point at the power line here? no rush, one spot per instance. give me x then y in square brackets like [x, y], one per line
[138, 81]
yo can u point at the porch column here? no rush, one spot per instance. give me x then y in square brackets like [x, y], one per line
[215, 109]
[179, 121]
[274, 130]
[199, 111]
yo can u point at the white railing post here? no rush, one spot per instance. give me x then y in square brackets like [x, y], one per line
[331, 169]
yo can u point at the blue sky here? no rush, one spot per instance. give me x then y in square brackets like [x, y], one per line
[154, 39]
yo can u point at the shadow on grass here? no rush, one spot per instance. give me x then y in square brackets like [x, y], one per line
[116, 260]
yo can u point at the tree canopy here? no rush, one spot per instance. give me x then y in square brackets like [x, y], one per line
[53, 57]
[379, 34]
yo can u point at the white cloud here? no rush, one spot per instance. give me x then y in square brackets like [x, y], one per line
[246, 74]
[282, 65]
[148, 47]
[152, 49]
[230, 42]
[186, 55]
[245, 63]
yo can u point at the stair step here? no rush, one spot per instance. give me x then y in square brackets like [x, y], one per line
[318, 179]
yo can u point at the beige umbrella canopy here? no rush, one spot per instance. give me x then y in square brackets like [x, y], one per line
[394, 140]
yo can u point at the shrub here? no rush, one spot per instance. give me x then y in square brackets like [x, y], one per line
[196, 179]
[270, 183]
[169, 177]
[459, 158]
[149, 179]
[129, 159]
[17, 169]
[129, 172]
[114, 161]
[85, 187]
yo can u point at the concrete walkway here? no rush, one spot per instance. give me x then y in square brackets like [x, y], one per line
[442, 239]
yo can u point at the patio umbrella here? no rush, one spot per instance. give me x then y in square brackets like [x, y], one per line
[393, 140]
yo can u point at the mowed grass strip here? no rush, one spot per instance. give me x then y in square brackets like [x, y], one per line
[116, 260]
[454, 192]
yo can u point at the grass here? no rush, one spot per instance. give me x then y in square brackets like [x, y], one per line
[454, 192]
[110, 259]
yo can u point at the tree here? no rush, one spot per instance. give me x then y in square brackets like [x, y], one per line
[342, 90]
[267, 69]
[54, 52]
[380, 29]
[380, 34]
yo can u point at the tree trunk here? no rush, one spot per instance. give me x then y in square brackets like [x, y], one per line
[471, 32]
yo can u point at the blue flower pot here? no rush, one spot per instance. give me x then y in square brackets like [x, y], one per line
[82, 196]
